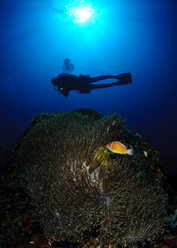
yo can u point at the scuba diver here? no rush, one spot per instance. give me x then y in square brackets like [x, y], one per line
[84, 83]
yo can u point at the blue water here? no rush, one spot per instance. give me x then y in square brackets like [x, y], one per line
[124, 36]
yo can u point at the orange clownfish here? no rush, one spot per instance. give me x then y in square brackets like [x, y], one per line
[118, 147]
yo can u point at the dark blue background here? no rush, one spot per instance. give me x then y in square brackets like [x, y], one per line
[126, 36]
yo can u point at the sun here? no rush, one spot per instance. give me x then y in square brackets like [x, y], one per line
[80, 11]
[82, 14]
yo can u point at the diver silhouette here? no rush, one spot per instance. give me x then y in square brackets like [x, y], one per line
[84, 83]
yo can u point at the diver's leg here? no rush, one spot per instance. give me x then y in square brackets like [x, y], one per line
[90, 86]
[102, 86]
[125, 78]
[103, 77]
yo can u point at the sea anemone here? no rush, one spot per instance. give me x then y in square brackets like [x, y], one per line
[73, 195]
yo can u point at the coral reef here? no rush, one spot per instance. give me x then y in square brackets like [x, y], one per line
[73, 196]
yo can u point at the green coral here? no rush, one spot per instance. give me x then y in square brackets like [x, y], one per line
[74, 196]
[103, 156]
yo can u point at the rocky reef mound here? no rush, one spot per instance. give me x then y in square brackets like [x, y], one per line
[74, 195]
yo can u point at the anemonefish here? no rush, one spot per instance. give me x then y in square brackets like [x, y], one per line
[118, 147]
